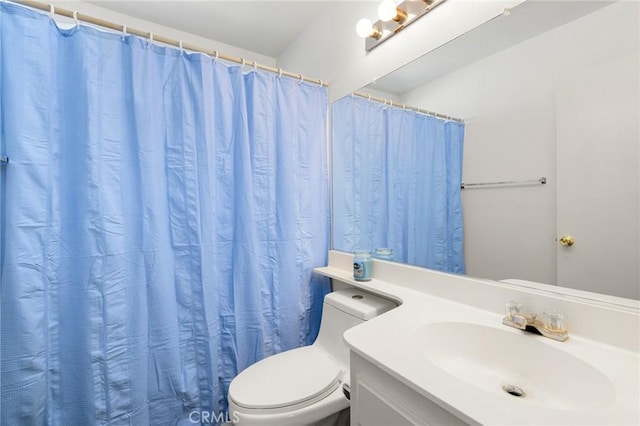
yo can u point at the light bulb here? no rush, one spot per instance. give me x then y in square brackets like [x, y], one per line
[364, 28]
[387, 10]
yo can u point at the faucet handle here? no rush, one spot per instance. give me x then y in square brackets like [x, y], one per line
[512, 308]
[553, 321]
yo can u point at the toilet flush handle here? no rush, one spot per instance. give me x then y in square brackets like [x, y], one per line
[346, 390]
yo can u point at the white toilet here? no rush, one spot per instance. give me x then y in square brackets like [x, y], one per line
[304, 386]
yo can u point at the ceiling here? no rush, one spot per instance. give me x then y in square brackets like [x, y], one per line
[265, 27]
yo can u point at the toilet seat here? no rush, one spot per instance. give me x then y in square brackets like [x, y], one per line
[292, 379]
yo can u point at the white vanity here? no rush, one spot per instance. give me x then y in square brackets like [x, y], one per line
[444, 357]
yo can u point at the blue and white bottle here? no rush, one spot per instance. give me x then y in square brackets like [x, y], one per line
[362, 265]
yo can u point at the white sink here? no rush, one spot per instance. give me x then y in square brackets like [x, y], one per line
[491, 359]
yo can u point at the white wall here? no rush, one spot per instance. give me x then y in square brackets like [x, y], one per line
[330, 49]
[139, 24]
[510, 102]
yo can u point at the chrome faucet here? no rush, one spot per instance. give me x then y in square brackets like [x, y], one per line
[551, 326]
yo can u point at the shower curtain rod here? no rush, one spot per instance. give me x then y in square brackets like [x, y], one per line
[404, 106]
[153, 37]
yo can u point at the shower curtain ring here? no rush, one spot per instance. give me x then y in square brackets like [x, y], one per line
[321, 83]
[242, 62]
[301, 79]
[279, 72]
[75, 18]
[215, 55]
[52, 11]
[368, 96]
[181, 48]
[124, 32]
[255, 66]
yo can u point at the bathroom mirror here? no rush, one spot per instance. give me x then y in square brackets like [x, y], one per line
[549, 92]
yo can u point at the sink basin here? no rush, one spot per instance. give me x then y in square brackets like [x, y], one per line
[516, 365]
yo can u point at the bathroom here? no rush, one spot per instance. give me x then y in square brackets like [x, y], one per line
[178, 228]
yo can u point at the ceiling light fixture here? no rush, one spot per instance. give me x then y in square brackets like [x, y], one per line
[365, 29]
[394, 16]
[388, 11]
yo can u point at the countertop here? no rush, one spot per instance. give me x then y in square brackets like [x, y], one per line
[392, 342]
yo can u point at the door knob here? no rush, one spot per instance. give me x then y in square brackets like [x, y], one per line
[567, 240]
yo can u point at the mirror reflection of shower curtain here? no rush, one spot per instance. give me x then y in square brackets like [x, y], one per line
[162, 211]
[397, 176]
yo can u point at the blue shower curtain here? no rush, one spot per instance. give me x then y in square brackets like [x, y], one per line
[161, 216]
[397, 177]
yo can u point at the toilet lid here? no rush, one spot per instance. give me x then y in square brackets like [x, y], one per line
[285, 379]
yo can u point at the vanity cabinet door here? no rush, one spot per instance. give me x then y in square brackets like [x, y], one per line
[378, 399]
[378, 410]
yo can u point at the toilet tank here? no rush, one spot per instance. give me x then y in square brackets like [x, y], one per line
[342, 310]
